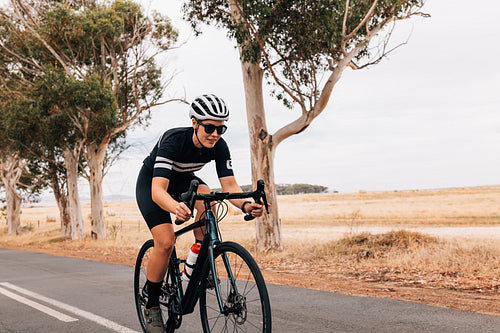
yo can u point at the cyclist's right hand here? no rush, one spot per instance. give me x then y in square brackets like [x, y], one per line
[182, 212]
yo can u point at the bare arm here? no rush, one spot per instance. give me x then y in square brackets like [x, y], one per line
[163, 199]
[229, 184]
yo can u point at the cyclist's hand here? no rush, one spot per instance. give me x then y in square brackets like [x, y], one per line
[182, 212]
[255, 209]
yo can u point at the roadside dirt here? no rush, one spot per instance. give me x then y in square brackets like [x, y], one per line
[464, 274]
[332, 278]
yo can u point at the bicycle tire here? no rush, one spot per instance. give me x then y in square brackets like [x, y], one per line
[250, 307]
[140, 295]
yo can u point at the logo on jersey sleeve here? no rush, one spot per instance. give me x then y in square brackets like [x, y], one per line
[229, 164]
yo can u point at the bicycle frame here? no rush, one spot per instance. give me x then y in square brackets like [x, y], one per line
[210, 241]
[214, 254]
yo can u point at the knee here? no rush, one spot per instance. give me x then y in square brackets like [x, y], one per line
[199, 205]
[203, 189]
[165, 245]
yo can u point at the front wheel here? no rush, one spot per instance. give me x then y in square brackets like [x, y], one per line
[242, 291]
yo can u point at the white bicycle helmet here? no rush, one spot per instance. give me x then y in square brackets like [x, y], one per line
[208, 107]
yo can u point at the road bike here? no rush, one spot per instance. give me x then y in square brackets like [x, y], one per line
[226, 280]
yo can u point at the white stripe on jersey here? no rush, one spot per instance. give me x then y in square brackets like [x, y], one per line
[186, 170]
[163, 166]
[165, 163]
[163, 159]
[188, 165]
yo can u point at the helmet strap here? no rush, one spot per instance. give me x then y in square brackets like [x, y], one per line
[196, 134]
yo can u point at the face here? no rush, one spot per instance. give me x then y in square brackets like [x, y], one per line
[207, 140]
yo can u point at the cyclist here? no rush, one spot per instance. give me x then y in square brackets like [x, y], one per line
[167, 172]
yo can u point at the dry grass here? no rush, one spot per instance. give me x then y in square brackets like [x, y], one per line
[431, 240]
[402, 256]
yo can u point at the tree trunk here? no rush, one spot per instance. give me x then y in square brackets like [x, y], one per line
[63, 205]
[10, 173]
[58, 183]
[14, 201]
[64, 214]
[95, 160]
[71, 164]
[268, 227]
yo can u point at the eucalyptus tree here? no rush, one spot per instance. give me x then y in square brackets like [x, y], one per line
[18, 175]
[24, 61]
[300, 48]
[89, 105]
[11, 168]
[113, 43]
[124, 55]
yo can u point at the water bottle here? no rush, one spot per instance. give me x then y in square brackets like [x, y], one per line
[190, 261]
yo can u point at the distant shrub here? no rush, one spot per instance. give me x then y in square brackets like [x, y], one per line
[287, 189]
[367, 245]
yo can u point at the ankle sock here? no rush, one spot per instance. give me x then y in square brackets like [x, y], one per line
[154, 290]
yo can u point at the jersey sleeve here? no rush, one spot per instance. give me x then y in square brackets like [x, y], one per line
[223, 162]
[167, 152]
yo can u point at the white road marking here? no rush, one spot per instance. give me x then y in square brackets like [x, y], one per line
[38, 306]
[68, 308]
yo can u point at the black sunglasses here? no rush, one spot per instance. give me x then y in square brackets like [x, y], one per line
[209, 128]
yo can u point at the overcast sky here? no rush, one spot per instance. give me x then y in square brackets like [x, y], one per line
[426, 117]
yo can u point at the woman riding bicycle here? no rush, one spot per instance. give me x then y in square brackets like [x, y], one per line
[167, 172]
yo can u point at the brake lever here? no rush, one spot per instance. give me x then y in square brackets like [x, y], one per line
[188, 198]
[261, 194]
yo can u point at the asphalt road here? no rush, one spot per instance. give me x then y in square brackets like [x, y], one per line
[45, 293]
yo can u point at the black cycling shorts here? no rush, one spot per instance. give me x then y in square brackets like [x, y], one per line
[152, 213]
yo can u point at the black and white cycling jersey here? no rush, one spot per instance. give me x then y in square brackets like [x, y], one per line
[175, 155]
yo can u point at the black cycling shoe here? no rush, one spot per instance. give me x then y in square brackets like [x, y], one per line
[210, 281]
[154, 320]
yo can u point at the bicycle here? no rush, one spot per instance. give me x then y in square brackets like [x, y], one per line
[226, 279]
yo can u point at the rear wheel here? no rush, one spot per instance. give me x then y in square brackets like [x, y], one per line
[244, 297]
[167, 301]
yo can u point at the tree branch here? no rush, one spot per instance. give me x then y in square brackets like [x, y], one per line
[16, 5]
[363, 21]
[255, 34]
[344, 23]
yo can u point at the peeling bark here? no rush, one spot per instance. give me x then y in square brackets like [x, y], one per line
[11, 168]
[268, 227]
[75, 211]
[95, 160]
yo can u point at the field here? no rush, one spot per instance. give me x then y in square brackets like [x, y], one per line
[440, 247]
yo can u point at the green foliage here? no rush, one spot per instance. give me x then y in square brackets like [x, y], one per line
[294, 40]
[60, 97]
[84, 70]
[92, 40]
[17, 127]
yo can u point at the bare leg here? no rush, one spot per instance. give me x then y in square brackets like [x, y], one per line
[164, 239]
[200, 208]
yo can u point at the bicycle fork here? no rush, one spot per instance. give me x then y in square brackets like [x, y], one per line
[234, 289]
[214, 241]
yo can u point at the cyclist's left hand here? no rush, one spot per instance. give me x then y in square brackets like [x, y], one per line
[255, 209]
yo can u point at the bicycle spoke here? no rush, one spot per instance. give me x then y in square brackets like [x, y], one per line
[244, 296]
[216, 320]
